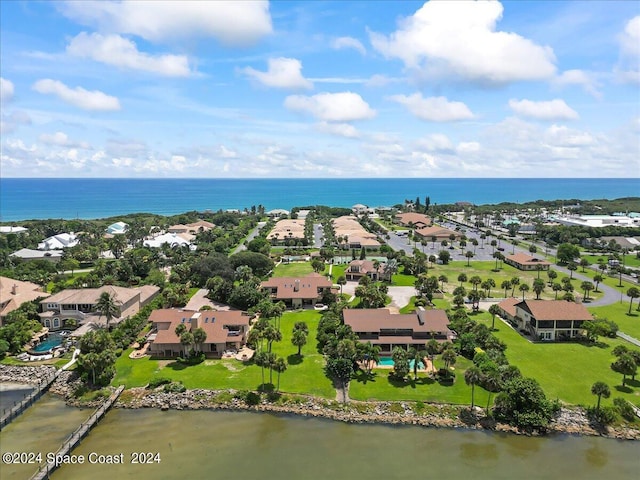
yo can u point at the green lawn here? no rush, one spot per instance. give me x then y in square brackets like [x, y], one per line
[629, 260]
[297, 269]
[336, 271]
[382, 387]
[617, 312]
[565, 370]
[304, 375]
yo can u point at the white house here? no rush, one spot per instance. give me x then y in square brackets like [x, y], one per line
[117, 228]
[173, 239]
[59, 241]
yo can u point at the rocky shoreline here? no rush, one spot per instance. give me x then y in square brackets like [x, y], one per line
[569, 421]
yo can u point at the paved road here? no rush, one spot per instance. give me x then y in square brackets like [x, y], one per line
[628, 338]
[317, 235]
[252, 234]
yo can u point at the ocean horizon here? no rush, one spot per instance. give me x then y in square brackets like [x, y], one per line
[88, 198]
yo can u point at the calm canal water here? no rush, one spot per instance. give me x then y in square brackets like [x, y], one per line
[207, 444]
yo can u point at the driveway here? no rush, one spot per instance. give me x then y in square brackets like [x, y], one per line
[199, 300]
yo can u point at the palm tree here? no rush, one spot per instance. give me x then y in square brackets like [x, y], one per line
[572, 267]
[280, 366]
[632, 293]
[342, 280]
[586, 287]
[494, 310]
[472, 376]
[600, 389]
[433, 348]
[108, 307]
[597, 278]
[180, 329]
[492, 384]
[442, 279]
[515, 281]
[538, 287]
[299, 339]
[449, 357]
[199, 337]
[370, 355]
[186, 339]
[469, 256]
[523, 288]
[261, 360]
[475, 281]
[271, 335]
[417, 356]
[462, 278]
[556, 287]
[505, 285]
[552, 274]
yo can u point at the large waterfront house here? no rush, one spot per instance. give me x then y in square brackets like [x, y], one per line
[364, 268]
[80, 305]
[297, 292]
[388, 330]
[226, 330]
[14, 293]
[551, 319]
[522, 261]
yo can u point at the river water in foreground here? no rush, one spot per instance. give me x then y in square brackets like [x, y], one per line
[220, 445]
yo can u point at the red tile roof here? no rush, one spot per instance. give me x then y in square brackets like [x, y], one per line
[212, 322]
[524, 259]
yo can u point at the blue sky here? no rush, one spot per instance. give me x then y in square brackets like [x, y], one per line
[320, 89]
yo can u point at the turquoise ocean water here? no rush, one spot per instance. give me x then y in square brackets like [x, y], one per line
[22, 199]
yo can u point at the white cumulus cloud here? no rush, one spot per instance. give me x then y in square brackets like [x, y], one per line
[6, 90]
[231, 22]
[331, 107]
[628, 69]
[579, 77]
[348, 42]
[341, 129]
[555, 109]
[61, 139]
[459, 38]
[79, 97]
[123, 53]
[434, 109]
[281, 73]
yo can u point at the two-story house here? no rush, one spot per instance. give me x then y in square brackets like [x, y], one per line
[381, 327]
[226, 330]
[297, 292]
[551, 319]
[80, 304]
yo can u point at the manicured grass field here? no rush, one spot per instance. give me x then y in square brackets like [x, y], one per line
[629, 260]
[304, 375]
[382, 387]
[565, 370]
[618, 312]
[297, 269]
[336, 271]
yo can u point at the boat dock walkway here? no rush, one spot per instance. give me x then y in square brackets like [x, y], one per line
[74, 439]
[28, 400]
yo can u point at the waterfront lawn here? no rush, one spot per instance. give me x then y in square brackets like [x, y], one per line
[304, 375]
[296, 269]
[565, 370]
[618, 312]
[382, 387]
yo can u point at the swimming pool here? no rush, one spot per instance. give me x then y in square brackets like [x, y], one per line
[388, 362]
[54, 340]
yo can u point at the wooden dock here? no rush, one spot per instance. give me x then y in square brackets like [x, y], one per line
[28, 400]
[74, 439]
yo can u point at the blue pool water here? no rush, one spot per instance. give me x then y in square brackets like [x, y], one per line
[388, 362]
[54, 340]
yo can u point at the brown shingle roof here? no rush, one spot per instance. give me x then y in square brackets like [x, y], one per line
[524, 259]
[509, 305]
[11, 298]
[412, 217]
[438, 232]
[555, 310]
[375, 319]
[297, 287]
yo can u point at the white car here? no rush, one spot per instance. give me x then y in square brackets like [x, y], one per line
[320, 306]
